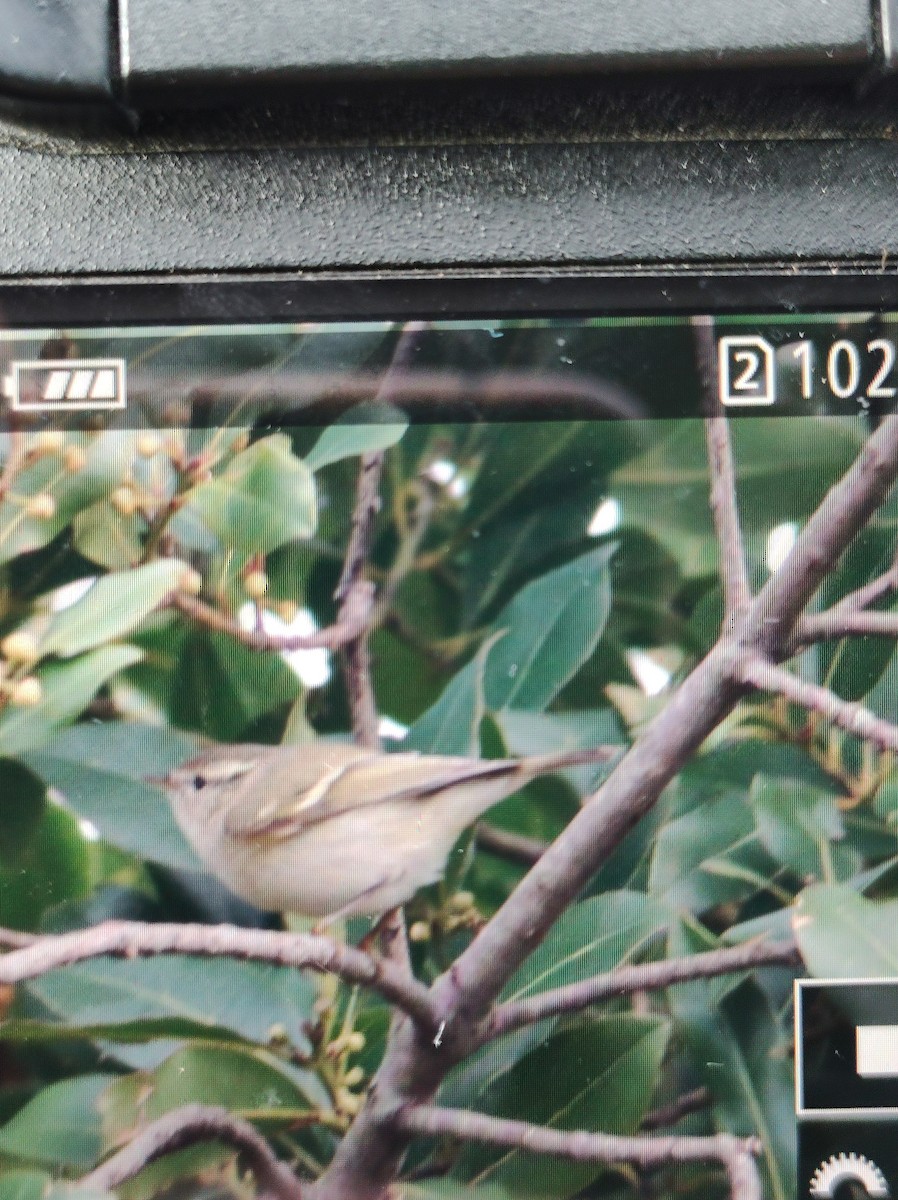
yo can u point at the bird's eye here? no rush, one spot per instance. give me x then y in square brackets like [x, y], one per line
[199, 782]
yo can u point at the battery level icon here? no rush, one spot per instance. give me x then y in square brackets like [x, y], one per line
[65, 384]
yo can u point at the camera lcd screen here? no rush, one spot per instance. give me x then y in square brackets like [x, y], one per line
[242, 567]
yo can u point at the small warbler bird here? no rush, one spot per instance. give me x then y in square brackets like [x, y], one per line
[330, 830]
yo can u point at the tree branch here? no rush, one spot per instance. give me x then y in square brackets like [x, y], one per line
[134, 939]
[844, 511]
[854, 718]
[724, 506]
[839, 623]
[644, 977]
[185, 1127]
[516, 847]
[356, 656]
[671, 1114]
[368, 1158]
[735, 1155]
[352, 618]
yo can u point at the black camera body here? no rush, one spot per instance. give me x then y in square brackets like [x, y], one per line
[620, 141]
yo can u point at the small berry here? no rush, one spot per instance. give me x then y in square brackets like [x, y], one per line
[256, 584]
[19, 647]
[419, 931]
[27, 693]
[42, 506]
[191, 582]
[124, 500]
[356, 1041]
[149, 445]
[462, 901]
[353, 1077]
[74, 459]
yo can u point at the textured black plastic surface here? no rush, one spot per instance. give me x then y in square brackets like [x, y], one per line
[207, 46]
[573, 176]
[55, 49]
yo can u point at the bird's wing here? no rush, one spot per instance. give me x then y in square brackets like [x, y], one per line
[312, 792]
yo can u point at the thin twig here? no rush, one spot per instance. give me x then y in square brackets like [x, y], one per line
[356, 654]
[185, 1127]
[352, 618]
[134, 939]
[625, 981]
[854, 718]
[516, 847]
[671, 1114]
[13, 463]
[733, 571]
[735, 1155]
[839, 623]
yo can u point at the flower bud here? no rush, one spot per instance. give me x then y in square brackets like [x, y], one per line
[27, 693]
[19, 647]
[349, 1102]
[48, 441]
[74, 459]
[41, 506]
[419, 931]
[461, 901]
[356, 1041]
[353, 1077]
[256, 584]
[191, 582]
[124, 500]
[149, 445]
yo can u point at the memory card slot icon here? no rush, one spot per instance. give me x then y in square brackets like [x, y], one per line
[89, 383]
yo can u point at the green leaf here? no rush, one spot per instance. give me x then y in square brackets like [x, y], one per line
[54, 866]
[60, 1126]
[201, 997]
[113, 607]
[802, 828]
[130, 814]
[709, 856]
[22, 805]
[263, 498]
[233, 1077]
[362, 430]
[68, 687]
[600, 1075]
[108, 459]
[452, 725]
[592, 937]
[541, 639]
[220, 688]
[552, 627]
[843, 935]
[739, 1049]
[37, 1185]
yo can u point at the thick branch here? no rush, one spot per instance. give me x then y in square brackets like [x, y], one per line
[644, 1153]
[853, 718]
[724, 506]
[845, 510]
[624, 981]
[133, 939]
[185, 1127]
[353, 617]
